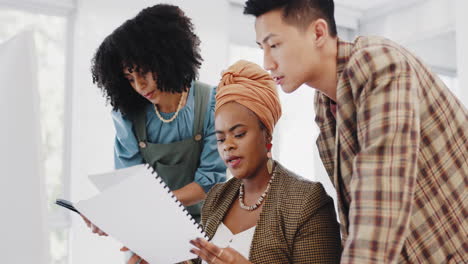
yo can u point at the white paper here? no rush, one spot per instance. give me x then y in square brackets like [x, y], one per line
[103, 181]
[143, 216]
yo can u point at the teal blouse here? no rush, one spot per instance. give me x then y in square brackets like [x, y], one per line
[126, 151]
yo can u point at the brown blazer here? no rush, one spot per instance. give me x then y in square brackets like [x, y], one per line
[397, 153]
[297, 223]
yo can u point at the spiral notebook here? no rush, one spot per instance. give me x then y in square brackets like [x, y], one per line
[138, 209]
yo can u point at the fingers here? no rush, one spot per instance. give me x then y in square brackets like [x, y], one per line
[204, 255]
[124, 249]
[134, 259]
[97, 230]
[210, 247]
[101, 233]
[201, 251]
[88, 223]
[93, 227]
[209, 252]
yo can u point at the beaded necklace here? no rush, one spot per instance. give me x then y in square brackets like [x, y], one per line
[259, 201]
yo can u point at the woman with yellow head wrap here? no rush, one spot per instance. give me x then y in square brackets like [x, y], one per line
[264, 214]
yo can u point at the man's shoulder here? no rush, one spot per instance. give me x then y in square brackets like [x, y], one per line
[366, 42]
[368, 48]
[372, 54]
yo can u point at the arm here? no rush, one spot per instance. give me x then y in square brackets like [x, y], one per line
[318, 238]
[190, 194]
[126, 151]
[384, 173]
[211, 169]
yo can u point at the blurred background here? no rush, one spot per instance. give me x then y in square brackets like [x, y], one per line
[56, 126]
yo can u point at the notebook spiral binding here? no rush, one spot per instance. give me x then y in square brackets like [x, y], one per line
[161, 181]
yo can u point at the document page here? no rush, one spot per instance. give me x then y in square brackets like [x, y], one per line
[143, 215]
[103, 181]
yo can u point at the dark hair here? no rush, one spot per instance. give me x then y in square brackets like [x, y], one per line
[160, 39]
[299, 13]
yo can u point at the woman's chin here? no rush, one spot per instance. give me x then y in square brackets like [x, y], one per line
[237, 174]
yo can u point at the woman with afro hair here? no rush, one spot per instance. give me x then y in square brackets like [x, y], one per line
[146, 69]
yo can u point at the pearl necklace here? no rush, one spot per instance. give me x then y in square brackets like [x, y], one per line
[259, 201]
[175, 114]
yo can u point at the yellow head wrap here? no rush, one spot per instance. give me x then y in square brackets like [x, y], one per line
[248, 84]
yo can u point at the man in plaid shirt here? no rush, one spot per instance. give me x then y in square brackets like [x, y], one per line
[393, 138]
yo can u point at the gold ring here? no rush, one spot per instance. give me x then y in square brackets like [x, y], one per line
[220, 253]
[213, 260]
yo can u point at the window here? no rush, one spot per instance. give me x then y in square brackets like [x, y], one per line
[50, 42]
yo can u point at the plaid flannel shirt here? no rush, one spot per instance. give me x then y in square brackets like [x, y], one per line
[397, 153]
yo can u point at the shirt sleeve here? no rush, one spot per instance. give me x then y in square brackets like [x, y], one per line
[212, 169]
[126, 151]
[385, 168]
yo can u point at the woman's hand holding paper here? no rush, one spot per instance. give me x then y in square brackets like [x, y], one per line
[212, 254]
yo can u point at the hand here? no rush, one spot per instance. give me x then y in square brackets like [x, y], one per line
[215, 255]
[190, 194]
[135, 259]
[94, 228]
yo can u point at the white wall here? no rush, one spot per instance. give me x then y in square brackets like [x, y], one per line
[426, 28]
[92, 128]
[461, 48]
[435, 30]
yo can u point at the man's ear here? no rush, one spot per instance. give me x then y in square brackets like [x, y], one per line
[319, 28]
